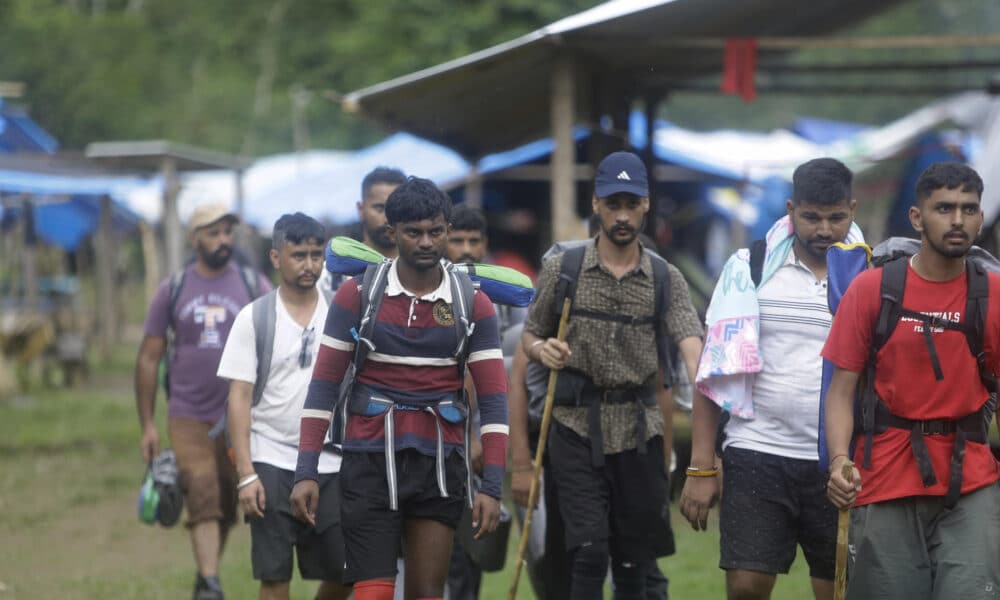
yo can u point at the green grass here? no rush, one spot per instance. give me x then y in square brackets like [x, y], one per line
[69, 477]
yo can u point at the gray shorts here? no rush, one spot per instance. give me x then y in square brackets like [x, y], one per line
[915, 549]
[320, 550]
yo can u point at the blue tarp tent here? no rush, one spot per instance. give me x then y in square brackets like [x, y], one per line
[67, 207]
[18, 133]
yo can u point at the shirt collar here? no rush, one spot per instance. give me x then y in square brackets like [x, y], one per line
[394, 288]
[592, 261]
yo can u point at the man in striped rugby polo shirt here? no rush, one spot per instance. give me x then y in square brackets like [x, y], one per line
[403, 469]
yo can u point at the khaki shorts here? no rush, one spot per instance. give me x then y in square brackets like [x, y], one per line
[207, 475]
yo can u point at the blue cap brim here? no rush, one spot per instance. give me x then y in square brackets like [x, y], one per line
[603, 190]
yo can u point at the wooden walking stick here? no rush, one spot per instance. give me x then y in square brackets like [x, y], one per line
[843, 525]
[543, 437]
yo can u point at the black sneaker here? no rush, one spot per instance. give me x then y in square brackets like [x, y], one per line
[207, 588]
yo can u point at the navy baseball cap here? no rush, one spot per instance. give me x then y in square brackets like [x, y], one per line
[621, 172]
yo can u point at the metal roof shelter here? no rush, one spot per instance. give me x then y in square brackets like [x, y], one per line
[578, 69]
[168, 158]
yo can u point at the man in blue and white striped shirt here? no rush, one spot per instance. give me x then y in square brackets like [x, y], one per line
[775, 496]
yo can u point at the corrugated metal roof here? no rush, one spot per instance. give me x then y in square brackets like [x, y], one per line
[499, 97]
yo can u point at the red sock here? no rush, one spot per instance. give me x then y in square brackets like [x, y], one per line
[374, 589]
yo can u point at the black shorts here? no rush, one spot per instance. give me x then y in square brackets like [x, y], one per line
[623, 502]
[372, 531]
[771, 504]
[320, 550]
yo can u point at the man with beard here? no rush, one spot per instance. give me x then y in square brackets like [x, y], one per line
[196, 308]
[404, 469]
[468, 243]
[775, 496]
[925, 521]
[268, 361]
[607, 454]
[375, 188]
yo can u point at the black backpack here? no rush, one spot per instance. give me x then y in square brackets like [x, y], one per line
[873, 416]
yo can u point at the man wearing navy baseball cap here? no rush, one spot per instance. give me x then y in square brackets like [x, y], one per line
[609, 446]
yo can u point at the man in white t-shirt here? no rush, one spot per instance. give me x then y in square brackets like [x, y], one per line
[775, 494]
[263, 417]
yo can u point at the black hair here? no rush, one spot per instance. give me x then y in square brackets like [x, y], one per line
[296, 229]
[948, 176]
[823, 181]
[381, 175]
[467, 218]
[417, 199]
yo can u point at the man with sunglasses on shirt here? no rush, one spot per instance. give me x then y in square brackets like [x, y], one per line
[264, 426]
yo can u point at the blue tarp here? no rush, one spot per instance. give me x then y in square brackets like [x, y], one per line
[66, 223]
[18, 133]
[333, 195]
[825, 131]
[67, 207]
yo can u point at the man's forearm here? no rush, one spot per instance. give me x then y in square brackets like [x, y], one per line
[704, 428]
[839, 413]
[665, 400]
[517, 401]
[704, 412]
[238, 423]
[529, 345]
[145, 389]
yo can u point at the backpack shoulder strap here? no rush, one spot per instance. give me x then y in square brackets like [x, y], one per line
[463, 292]
[661, 301]
[758, 250]
[176, 283]
[373, 284]
[251, 281]
[264, 317]
[891, 294]
[976, 308]
[569, 272]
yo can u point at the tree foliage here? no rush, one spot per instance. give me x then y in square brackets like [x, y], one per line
[254, 76]
[223, 73]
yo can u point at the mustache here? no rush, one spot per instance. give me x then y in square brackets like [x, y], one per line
[222, 250]
[466, 258]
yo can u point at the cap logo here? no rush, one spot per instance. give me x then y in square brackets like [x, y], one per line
[624, 176]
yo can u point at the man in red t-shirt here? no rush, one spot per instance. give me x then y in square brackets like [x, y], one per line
[905, 540]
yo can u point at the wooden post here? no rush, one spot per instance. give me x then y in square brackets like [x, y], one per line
[106, 298]
[474, 189]
[29, 258]
[173, 238]
[566, 223]
[150, 260]
[244, 233]
[649, 157]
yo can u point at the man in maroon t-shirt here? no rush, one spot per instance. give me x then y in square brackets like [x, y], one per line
[908, 538]
[198, 308]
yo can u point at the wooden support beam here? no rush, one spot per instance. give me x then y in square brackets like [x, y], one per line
[150, 260]
[173, 237]
[29, 258]
[538, 173]
[899, 42]
[107, 314]
[566, 223]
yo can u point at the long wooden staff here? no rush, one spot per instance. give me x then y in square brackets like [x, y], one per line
[843, 525]
[539, 455]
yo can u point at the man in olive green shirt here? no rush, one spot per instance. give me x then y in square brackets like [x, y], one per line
[609, 449]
